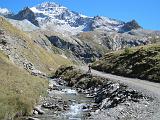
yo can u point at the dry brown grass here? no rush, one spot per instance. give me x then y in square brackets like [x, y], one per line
[39, 56]
[19, 91]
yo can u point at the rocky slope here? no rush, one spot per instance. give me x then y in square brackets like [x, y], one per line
[27, 53]
[20, 58]
[141, 62]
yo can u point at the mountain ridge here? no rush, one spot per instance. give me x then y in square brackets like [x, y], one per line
[50, 12]
[64, 19]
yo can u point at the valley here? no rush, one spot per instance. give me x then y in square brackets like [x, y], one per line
[45, 51]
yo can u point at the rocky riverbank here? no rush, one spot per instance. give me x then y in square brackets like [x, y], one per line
[75, 95]
[63, 103]
[113, 100]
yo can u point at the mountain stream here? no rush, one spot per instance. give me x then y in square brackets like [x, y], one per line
[64, 103]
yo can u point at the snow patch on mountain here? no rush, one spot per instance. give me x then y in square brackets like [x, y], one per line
[23, 25]
[52, 11]
[105, 23]
[4, 11]
[52, 15]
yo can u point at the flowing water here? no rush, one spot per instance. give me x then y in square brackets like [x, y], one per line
[77, 104]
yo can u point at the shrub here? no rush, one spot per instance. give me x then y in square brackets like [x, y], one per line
[127, 50]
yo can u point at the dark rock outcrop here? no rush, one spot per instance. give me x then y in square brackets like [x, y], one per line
[26, 13]
[82, 51]
[132, 25]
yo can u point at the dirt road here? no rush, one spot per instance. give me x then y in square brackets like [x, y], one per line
[147, 87]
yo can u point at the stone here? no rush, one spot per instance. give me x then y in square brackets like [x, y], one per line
[37, 73]
[51, 69]
[59, 108]
[3, 41]
[38, 109]
[79, 90]
[35, 112]
[65, 106]
[89, 96]
[48, 105]
[32, 118]
[84, 107]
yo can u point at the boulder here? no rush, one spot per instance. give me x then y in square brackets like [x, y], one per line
[37, 73]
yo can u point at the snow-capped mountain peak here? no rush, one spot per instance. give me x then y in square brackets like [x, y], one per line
[49, 4]
[4, 11]
[54, 16]
[49, 8]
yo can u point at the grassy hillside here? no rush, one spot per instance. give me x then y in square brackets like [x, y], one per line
[19, 91]
[39, 56]
[140, 62]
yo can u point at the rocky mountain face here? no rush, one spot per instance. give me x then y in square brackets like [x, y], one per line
[132, 25]
[26, 13]
[60, 16]
[82, 51]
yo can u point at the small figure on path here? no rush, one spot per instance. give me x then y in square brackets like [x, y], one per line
[89, 69]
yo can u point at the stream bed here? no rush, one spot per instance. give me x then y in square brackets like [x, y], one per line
[64, 103]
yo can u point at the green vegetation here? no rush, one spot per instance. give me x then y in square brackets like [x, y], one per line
[127, 50]
[19, 91]
[75, 77]
[140, 62]
[68, 73]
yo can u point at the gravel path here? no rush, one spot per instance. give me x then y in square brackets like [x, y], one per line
[142, 85]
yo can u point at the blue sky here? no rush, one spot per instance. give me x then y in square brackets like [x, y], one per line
[146, 12]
